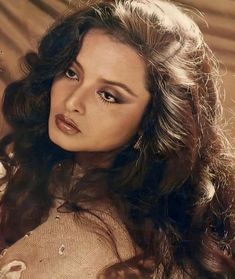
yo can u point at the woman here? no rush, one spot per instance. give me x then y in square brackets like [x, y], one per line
[117, 166]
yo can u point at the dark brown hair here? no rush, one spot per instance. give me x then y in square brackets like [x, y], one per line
[175, 193]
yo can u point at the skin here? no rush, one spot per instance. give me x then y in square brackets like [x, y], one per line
[107, 115]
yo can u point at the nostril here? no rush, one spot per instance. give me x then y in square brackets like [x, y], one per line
[74, 104]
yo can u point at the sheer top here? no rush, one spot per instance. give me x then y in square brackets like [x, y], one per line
[63, 247]
[67, 247]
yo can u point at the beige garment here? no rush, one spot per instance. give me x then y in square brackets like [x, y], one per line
[60, 248]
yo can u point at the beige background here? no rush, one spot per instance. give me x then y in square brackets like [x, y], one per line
[22, 22]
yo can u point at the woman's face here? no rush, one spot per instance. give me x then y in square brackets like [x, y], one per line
[98, 102]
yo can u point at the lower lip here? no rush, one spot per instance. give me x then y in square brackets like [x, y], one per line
[65, 127]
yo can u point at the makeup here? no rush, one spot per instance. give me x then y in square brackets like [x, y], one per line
[66, 125]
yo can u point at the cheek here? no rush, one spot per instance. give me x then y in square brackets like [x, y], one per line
[132, 115]
[123, 124]
[56, 98]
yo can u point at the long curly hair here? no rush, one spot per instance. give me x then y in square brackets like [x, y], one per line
[176, 192]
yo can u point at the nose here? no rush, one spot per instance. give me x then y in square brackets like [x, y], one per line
[75, 102]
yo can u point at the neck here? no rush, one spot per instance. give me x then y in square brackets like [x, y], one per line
[95, 159]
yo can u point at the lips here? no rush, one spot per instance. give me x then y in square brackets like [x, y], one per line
[66, 125]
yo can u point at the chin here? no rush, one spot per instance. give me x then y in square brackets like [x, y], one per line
[63, 145]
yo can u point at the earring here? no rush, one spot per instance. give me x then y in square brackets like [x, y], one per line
[137, 145]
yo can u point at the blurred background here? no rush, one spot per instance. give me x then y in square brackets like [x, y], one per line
[22, 23]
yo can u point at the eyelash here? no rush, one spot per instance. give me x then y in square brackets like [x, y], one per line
[105, 101]
[99, 93]
[71, 70]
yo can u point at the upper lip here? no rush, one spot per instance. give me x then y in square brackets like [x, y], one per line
[67, 120]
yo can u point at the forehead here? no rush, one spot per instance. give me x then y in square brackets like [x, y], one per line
[104, 53]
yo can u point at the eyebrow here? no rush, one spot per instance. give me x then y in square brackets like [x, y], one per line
[122, 85]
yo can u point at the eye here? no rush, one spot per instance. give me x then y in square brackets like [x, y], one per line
[107, 97]
[70, 73]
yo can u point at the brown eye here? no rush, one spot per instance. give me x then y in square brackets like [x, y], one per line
[69, 73]
[107, 97]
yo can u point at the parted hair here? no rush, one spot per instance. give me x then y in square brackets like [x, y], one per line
[175, 193]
